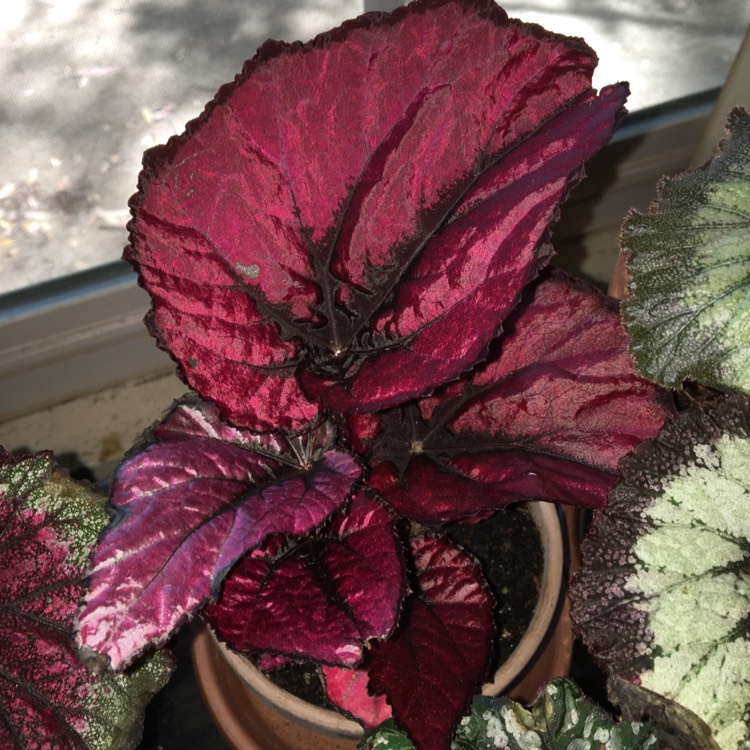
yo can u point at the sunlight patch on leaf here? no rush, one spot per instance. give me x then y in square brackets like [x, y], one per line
[348, 689]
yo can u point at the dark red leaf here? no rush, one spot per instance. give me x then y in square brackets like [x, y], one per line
[469, 277]
[319, 599]
[433, 664]
[549, 416]
[347, 688]
[359, 214]
[191, 505]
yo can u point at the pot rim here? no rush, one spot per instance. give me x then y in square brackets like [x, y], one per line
[327, 721]
[549, 525]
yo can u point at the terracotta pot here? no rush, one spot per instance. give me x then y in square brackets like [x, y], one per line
[255, 714]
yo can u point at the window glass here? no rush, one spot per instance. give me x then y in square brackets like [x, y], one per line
[666, 49]
[89, 84]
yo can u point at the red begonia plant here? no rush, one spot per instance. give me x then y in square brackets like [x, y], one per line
[345, 254]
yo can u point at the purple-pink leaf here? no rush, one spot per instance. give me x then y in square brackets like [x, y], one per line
[321, 598]
[436, 660]
[347, 689]
[351, 220]
[548, 416]
[190, 506]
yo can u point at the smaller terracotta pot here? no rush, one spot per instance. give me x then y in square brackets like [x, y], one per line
[255, 714]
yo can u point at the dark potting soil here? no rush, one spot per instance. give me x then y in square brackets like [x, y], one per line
[509, 549]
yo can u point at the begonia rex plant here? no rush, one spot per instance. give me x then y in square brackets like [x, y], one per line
[346, 258]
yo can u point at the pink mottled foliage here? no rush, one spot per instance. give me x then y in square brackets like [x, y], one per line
[42, 681]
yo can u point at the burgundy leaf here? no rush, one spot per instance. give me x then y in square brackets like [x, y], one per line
[469, 277]
[548, 416]
[351, 220]
[191, 505]
[347, 688]
[321, 598]
[433, 664]
[48, 697]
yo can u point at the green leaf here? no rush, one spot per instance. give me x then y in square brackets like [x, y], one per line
[48, 697]
[663, 599]
[560, 719]
[676, 727]
[688, 312]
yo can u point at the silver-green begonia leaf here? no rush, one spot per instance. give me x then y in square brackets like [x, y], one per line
[688, 258]
[663, 599]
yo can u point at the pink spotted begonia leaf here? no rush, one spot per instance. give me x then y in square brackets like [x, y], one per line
[548, 416]
[349, 222]
[48, 697]
[322, 598]
[194, 502]
[433, 664]
[348, 689]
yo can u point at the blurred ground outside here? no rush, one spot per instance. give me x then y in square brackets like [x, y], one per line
[89, 84]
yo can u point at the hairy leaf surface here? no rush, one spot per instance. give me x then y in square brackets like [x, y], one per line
[351, 220]
[201, 496]
[431, 666]
[548, 416]
[689, 261]
[322, 598]
[48, 698]
[562, 718]
[663, 599]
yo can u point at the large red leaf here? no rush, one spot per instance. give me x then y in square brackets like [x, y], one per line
[435, 662]
[191, 505]
[351, 219]
[548, 416]
[320, 599]
[48, 697]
